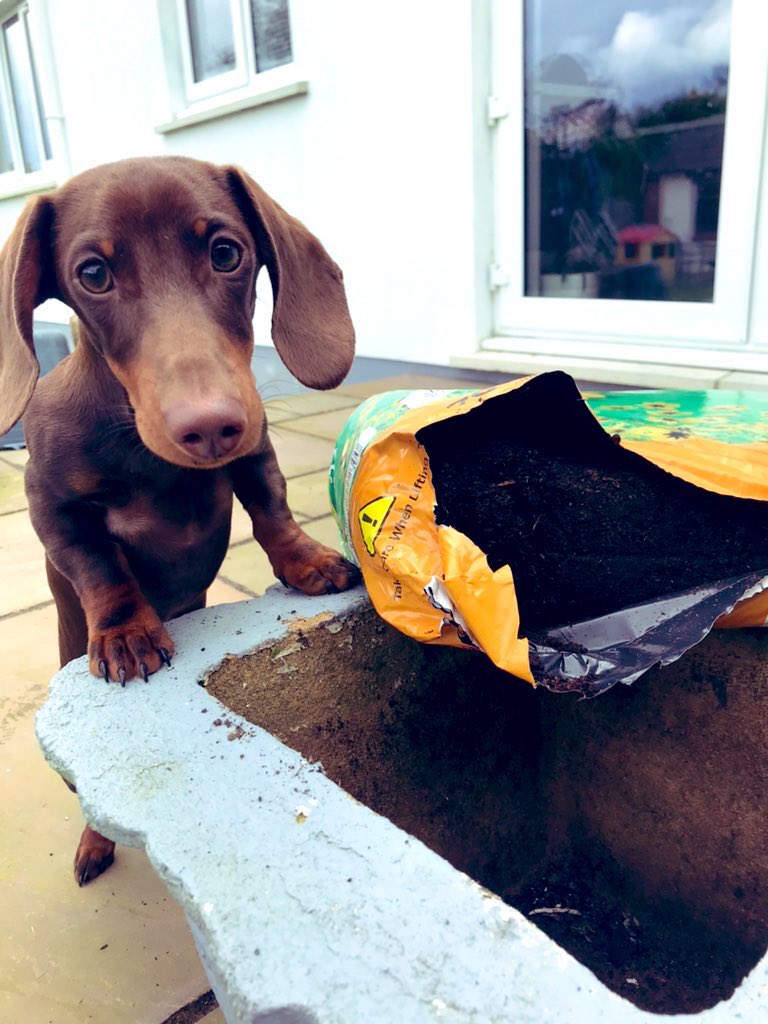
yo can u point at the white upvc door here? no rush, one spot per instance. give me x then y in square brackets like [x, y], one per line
[549, 295]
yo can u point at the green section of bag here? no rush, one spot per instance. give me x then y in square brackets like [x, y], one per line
[736, 417]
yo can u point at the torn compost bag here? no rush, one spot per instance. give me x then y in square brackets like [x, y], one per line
[576, 542]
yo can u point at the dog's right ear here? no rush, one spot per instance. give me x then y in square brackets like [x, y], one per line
[26, 279]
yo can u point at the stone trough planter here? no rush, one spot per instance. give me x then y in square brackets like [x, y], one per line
[363, 829]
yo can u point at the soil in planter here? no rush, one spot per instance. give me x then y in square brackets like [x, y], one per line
[514, 787]
[586, 526]
[656, 956]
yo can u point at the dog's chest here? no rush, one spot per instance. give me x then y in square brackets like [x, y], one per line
[173, 520]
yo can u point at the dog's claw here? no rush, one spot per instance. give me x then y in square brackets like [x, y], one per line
[144, 672]
[121, 675]
[164, 657]
[104, 669]
[282, 580]
[355, 576]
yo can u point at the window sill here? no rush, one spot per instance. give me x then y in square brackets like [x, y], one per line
[749, 373]
[20, 186]
[278, 87]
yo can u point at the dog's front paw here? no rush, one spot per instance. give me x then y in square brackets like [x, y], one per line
[138, 646]
[314, 569]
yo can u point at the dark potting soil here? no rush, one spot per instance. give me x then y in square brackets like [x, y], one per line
[586, 526]
[661, 959]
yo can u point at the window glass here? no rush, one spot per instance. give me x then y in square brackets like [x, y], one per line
[33, 136]
[624, 128]
[6, 154]
[211, 36]
[271, 33]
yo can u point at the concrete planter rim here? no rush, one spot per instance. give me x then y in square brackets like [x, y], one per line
[305, 905]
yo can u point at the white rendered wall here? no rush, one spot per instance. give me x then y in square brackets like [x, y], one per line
[377, 159]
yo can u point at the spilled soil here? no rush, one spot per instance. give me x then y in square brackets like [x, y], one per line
[586, 526]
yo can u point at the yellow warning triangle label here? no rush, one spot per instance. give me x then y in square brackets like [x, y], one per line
[371, 518]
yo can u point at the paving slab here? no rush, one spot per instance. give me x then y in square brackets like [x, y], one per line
[408, 382]
[117, 951]
[281, 409]
[308, 495]
[326, 425]
[24, 583]
[20, 457]
[299, 453]
[12, 496]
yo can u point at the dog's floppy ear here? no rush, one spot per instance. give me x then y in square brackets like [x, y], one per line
[311, 326]
[25, 281]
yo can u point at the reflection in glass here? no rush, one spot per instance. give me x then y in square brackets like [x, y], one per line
[6, 155]
[624, 125]
[33, 132]
[212, 37]
[271, 33]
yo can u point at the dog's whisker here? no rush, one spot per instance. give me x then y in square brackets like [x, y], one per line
[263, 391]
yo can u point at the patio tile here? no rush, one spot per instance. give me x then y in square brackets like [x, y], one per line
[30, 656]
[325, 530]
[280, 409]
[12, 496]
[242, 528]
[325, 424]
[214, 1017]
[23, 565]
[308, 495]
[247, 566]
[405, 382]
[117, 951]
[298, 453]
[221, 592]
[19, 457]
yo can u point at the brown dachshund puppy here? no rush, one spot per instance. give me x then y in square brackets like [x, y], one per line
[140, 437]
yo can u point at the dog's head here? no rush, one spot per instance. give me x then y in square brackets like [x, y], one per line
[158, 258]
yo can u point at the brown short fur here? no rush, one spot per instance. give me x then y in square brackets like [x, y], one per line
[140, 438]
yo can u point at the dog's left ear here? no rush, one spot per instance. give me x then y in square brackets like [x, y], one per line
[26, 280]
[311, 325]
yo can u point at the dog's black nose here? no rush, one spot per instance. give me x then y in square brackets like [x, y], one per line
[207, 433]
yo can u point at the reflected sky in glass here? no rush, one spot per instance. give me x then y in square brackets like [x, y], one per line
[648, 51]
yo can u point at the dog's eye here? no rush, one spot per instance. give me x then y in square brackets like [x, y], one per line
[95, 276]
[225, 255]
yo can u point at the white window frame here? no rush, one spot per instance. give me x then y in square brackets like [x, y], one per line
[244, 69]
[18, 180]
[636, 330]
[239, 89]
[245, 73]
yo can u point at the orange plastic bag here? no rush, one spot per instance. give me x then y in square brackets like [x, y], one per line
[434, 584]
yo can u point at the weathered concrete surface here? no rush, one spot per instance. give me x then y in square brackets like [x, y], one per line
[306, 906]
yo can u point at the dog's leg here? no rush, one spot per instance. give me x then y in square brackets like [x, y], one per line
[125, 635]
[95, 852]
[297, 560]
